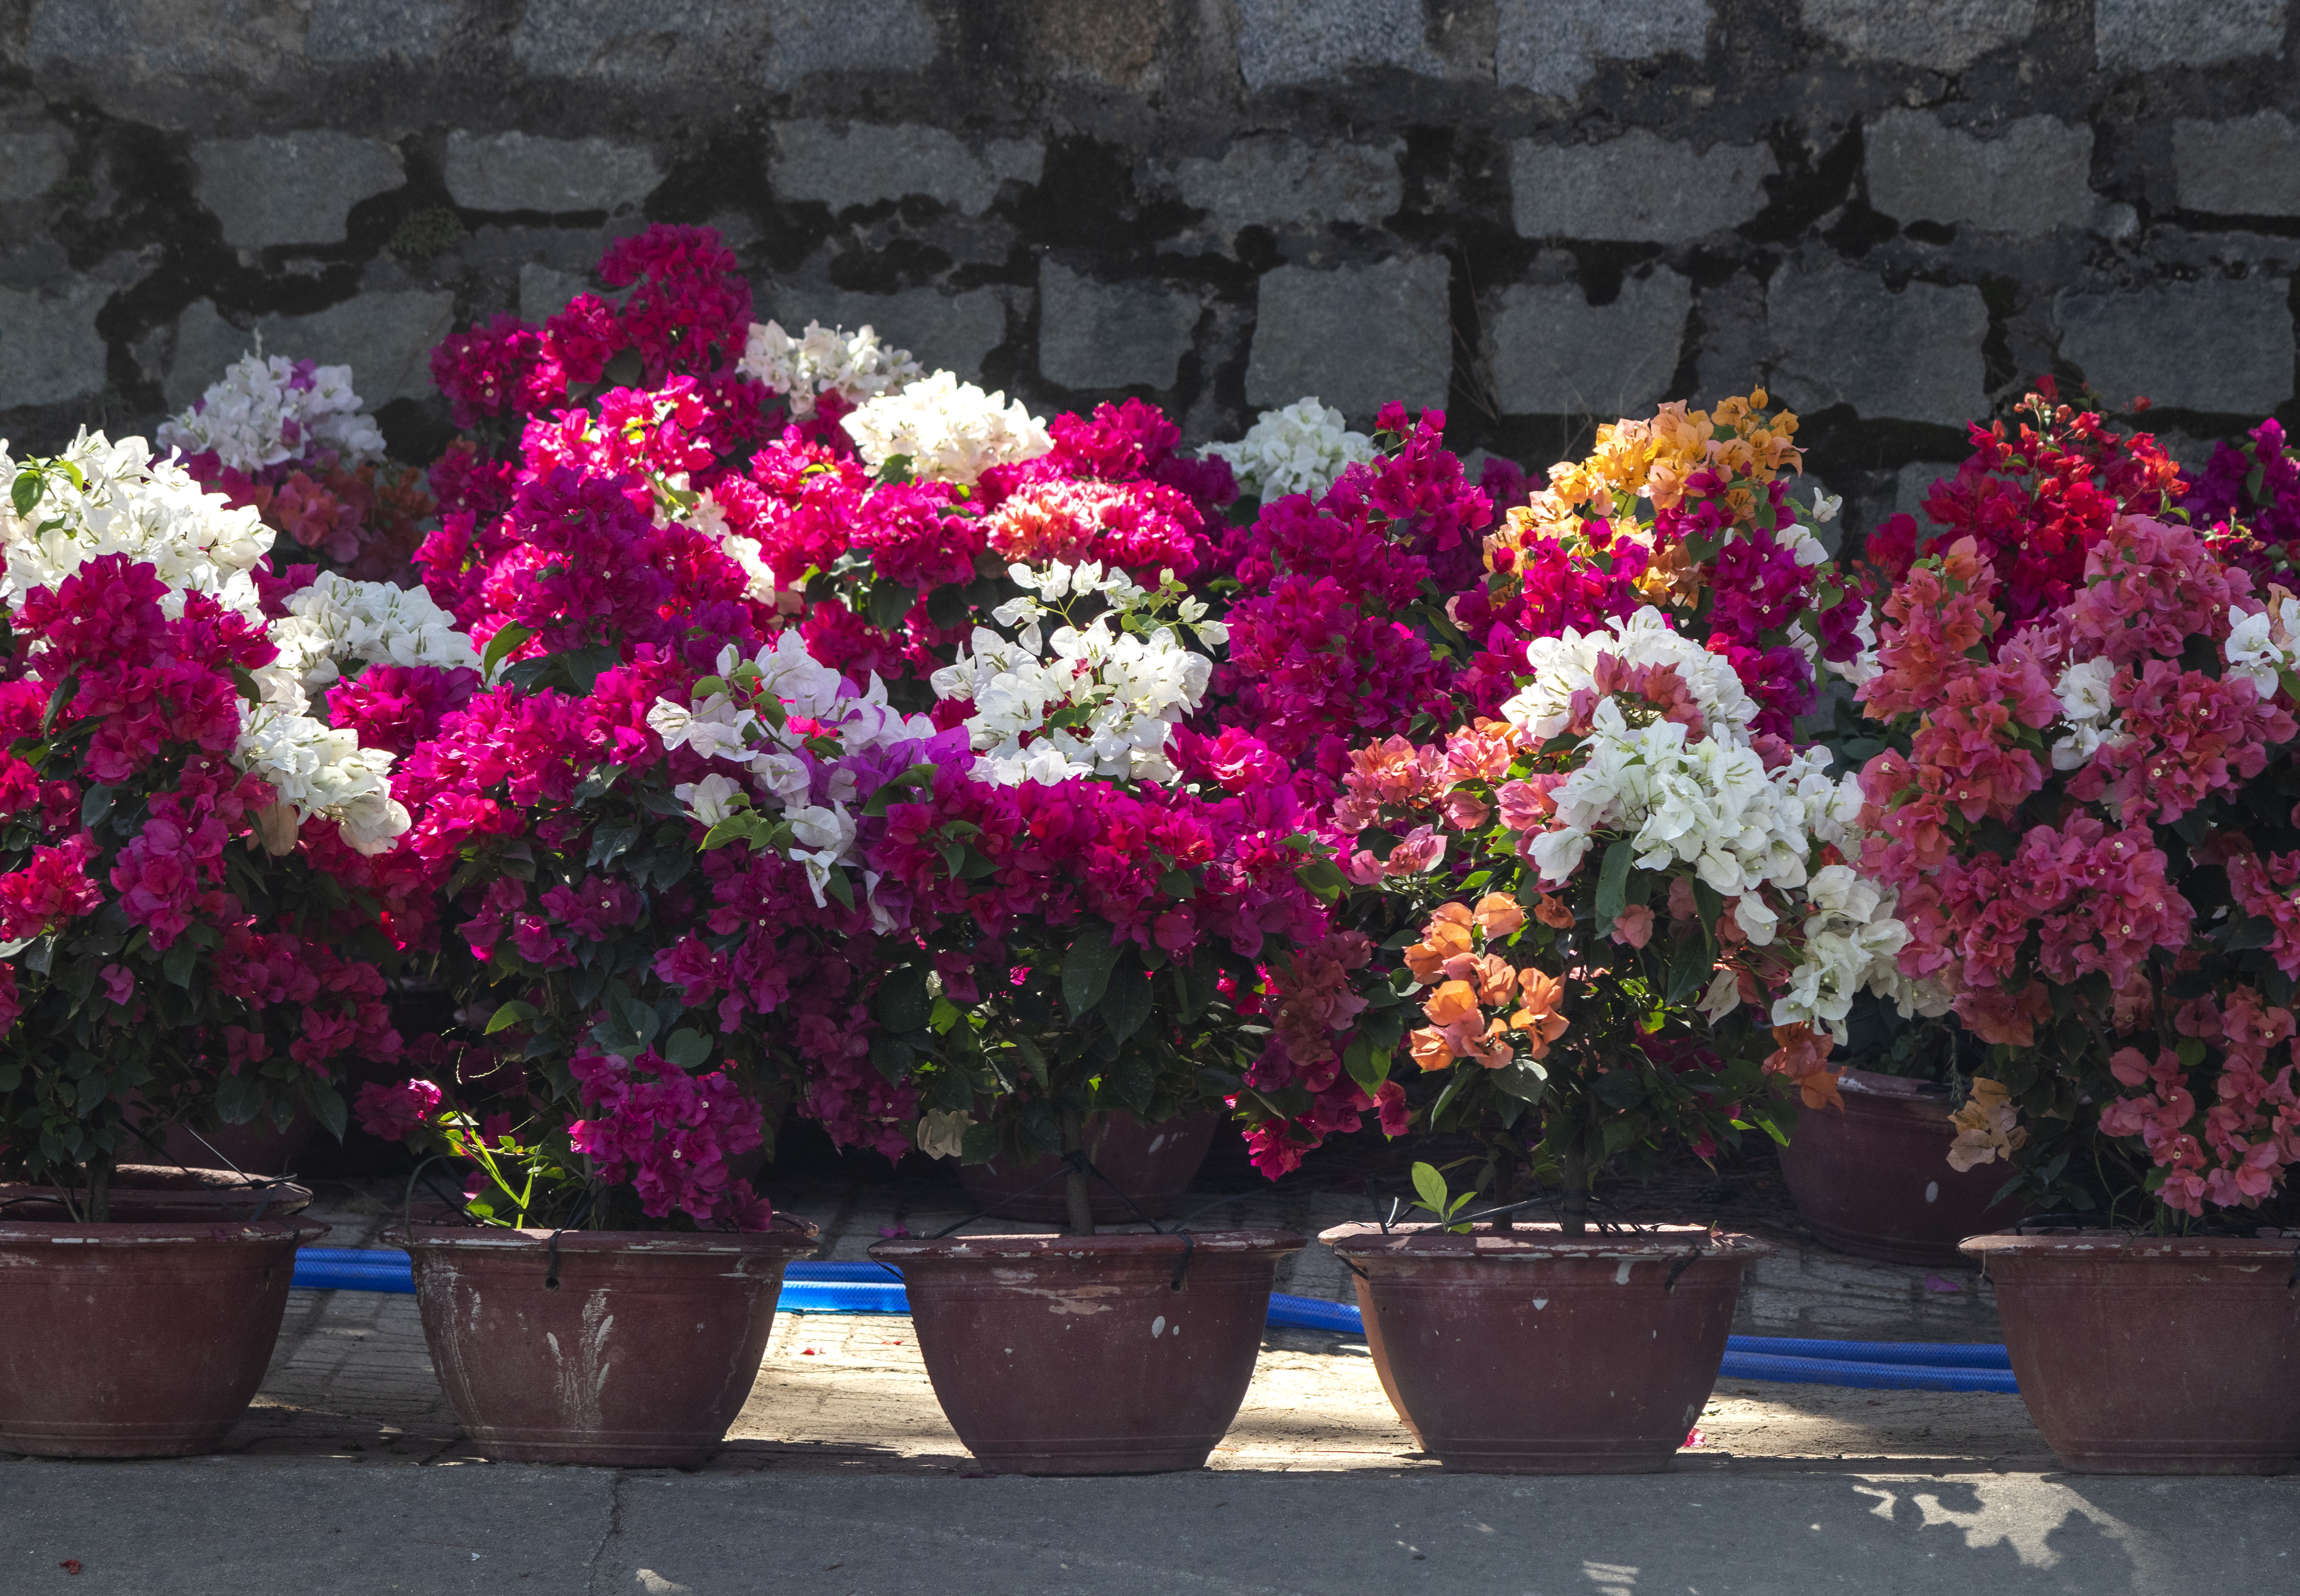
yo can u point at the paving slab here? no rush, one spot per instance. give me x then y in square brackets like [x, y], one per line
[288, 1527]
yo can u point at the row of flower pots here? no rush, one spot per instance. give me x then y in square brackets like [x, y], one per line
[1503, 1350]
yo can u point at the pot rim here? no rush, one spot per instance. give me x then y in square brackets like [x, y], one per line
[21, 1233]
[1883, 1083]
[799, 1237]
[1429, 1239]
[2129, 1245]
[1131, 1244]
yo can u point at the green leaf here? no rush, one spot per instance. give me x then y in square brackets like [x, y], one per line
[509, 1014]
[508, 640]
[1689, 965]
[1368, 1065]
[836, 885]
[176, 964]
[891, 1055]
[902, 1003]
[1087, 967]
[1613, 884]
[946, 605]
[688, 1048]
[1179, 883]
[2254, 930]
[1432, 1186]
[1523, 1079]
[1127, 1004]
[888, 602]
[65, 691]
[25, 493]
[1323, 878]
[1620, 1089]
[612, 842]
[245, 680]
[95, 805]
[327, 1107]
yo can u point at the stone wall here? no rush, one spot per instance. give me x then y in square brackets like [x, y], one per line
[1532, 212]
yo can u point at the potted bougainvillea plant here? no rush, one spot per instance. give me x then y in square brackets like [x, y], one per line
[2037, 492]
[1095, 934]
[2088, 821]
[1622, 911]
[179, 947]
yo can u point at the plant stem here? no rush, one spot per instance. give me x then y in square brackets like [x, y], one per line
[1509, 1182]
[99, 1190]
[1575, 1166]
[1074, 1183]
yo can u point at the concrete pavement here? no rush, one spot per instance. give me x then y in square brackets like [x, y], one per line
[238, 1527]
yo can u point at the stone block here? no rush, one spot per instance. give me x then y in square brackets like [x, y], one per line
[1555, 354]
[514, 171]
[1946, 35]
[50, 350]
[1096, 335]
[2142, 35]
[943, 332]
[30, 162]
[605, 38]
[1277, 182]
[291, 187]
[2216, 346]
[853, 36]
[1841, 336]
[861, 165]
[385, 338]
[2031, 176]
[1639, 186]
[1553, 46]
[1357, 337]
[2249, 166]
[371, 30]
[1308, 41]
[153, 39]
[544, 291]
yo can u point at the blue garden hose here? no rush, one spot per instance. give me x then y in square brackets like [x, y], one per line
[866, 1287]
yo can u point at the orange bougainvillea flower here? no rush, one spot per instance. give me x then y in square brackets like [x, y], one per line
[1495, 979]
[1802, 1054]
[1490, 1047]
[1452, 1002]
[1428, 1048]
[1498, 914]
[1447, 935]
[1551, 912]
[1540, 996]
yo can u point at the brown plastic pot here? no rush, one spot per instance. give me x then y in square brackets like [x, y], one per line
[1087, 1355]
[161, 1194]
[138, 1339]
[1153, 1164]
[2153, 1354]
[627, 1349]
[1529, 1352]
[1874, 1179]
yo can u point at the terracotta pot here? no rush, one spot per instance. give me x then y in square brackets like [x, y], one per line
[1528, 1352]
[1873, 1180]
[161, 1194]
[1082, 1354]
[1153, 1164]
[138, 1339]
[627, 1349]
[255, 1148]
[2153, 1354]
